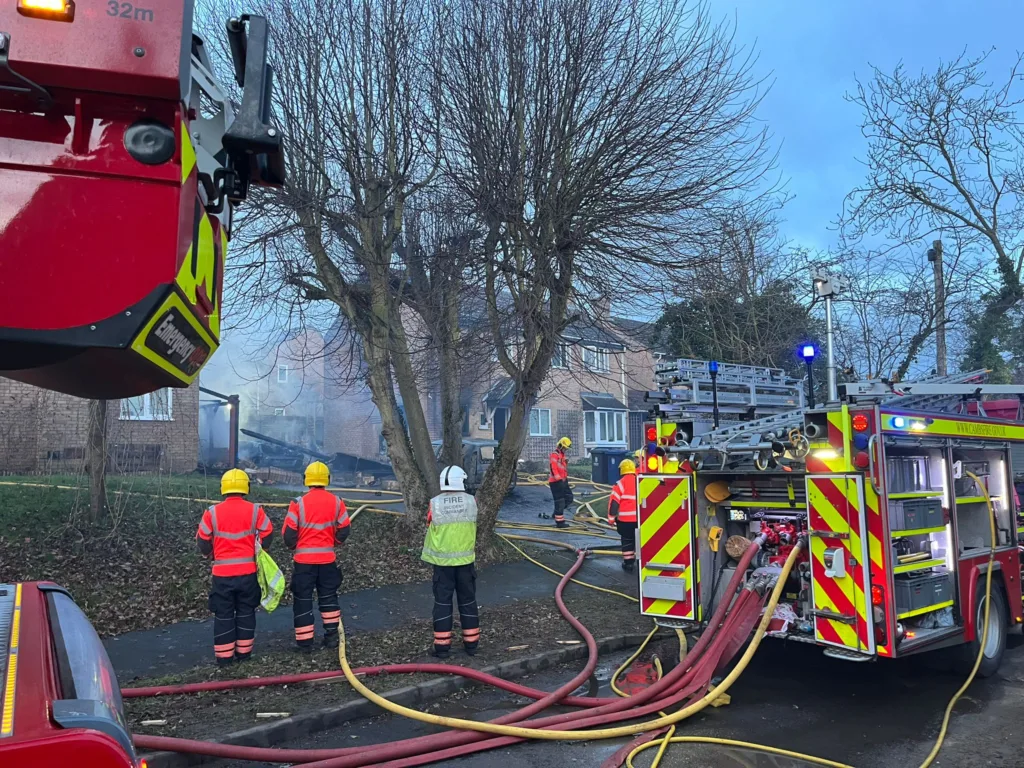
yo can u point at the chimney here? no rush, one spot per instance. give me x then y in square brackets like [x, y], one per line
[601, 307]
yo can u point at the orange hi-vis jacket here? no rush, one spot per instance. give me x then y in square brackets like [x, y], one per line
[559, 467]
[622, 502]
[318, 517]
[232, 526]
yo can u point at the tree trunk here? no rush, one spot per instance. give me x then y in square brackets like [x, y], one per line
[452, 414]
[499, 475]
[96, 459]
[419, 433]
[414, 488]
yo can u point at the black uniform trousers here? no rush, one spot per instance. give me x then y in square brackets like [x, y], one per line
[233, 600]
[627, 538]
[458, 581]
[325, 578]
[561, 494]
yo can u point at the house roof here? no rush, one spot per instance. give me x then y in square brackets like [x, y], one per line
[588, 332]
[593, 401]
[500, 394]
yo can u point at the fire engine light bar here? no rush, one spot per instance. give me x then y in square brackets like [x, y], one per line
[54, 10]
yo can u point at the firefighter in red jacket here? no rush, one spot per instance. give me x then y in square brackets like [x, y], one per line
[228, 533]
[315, 523]
[558, 481]
[622, 512]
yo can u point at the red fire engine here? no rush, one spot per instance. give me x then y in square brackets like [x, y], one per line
[897, 490]
[121, 162]
[61, 701]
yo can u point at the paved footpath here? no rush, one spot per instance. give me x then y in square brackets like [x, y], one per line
[177, 647]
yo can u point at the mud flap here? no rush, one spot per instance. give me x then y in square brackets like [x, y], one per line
[839, 559]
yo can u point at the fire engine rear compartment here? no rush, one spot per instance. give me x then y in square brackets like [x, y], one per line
[931, 538]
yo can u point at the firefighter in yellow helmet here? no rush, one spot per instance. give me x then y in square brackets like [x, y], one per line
[316, 522]
[228, 533]
[622, 512]
[558, 480]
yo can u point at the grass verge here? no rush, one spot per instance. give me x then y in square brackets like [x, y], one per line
[138, 567]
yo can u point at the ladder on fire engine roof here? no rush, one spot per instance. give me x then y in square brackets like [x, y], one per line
[685, 390]
[749, 437]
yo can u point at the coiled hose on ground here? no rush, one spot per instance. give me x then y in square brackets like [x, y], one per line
[411, 747]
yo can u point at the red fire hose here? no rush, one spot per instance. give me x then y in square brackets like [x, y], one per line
[678, 685]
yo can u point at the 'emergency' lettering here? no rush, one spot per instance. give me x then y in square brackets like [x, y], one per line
[174, 338]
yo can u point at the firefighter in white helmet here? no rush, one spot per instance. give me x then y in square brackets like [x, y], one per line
[450, 546]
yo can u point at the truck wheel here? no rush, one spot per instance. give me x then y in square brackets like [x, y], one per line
[996, 642]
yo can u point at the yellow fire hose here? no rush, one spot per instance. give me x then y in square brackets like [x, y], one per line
[603, 733]
[507, 538]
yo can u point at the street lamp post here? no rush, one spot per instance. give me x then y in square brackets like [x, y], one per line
[713, 370]
[807, 352]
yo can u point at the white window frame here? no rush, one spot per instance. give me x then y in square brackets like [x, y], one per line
[282, 374]
[561, 354]
[148, 407]
[604, 420]
[484, 421]
[540, 423]
[280, 412]
[596, 360]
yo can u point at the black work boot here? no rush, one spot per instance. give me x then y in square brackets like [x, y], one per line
[561, 524]
[306, 649]
[471, 648]
[442, 651]
[225, 663]
[331, 640]
[627, 565]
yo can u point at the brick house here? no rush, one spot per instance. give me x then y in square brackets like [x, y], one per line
[46, 432]
[592, 395]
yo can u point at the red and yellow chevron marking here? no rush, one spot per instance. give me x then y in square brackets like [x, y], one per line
[833, 506]
[877, 554]
[666, 537]
[821, 458]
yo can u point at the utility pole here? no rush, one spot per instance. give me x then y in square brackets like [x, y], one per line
[935, 257]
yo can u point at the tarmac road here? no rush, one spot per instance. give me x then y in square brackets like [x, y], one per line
[871, 715]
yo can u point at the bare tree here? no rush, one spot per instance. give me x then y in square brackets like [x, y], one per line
[887, 318]
[944, 158]
[746, 302]
[356, 97]
[591, 138]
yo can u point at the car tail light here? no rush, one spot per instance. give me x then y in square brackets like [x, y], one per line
[877, 595]
[652, 463]
[652, 433]
[860, 422]
[55, 10]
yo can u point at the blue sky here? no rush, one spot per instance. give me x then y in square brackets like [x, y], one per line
[813, 51]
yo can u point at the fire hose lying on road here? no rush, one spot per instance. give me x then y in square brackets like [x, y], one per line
[687, 684]
[686, 687]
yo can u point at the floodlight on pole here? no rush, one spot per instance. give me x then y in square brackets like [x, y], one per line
[808, 352]
[827, 287]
